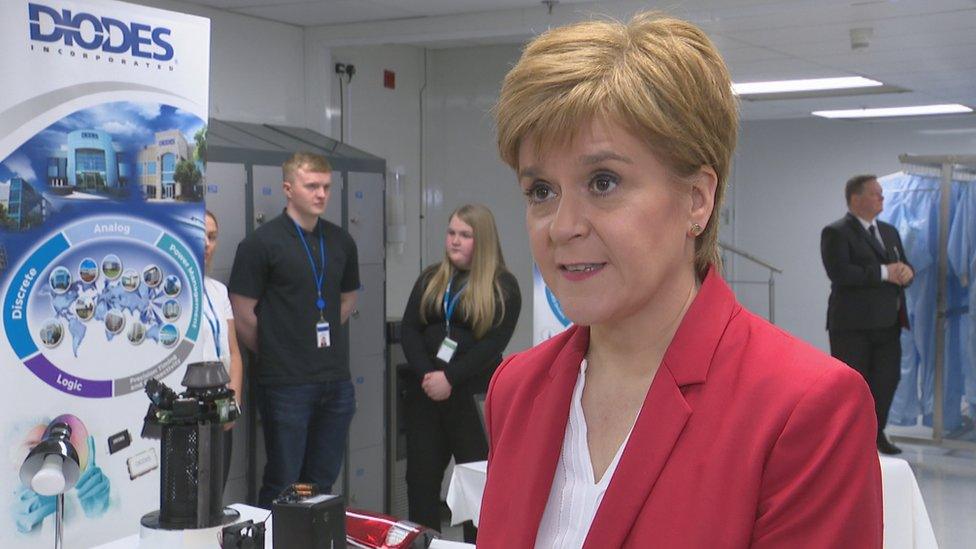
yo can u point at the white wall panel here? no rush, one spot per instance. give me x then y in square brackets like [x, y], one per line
[789, 180]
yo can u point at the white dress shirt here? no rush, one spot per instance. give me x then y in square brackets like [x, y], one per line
[575, 495]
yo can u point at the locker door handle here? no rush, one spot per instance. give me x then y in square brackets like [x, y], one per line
[354, 220]
[355, 313]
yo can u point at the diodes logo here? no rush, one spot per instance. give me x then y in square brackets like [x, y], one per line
[91, 32]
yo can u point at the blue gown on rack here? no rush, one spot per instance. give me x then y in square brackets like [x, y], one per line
[912, 206]
[962, 262]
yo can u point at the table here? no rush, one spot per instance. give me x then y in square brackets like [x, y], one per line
[194, 538]
[465, 491]
[907, 524]
[256, 514]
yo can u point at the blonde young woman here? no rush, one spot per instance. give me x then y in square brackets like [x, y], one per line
[669, 416]
[219, 338]
[458, 320]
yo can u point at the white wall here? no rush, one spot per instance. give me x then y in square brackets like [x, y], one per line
[787, 179]
[789, 183]
[256, 66]
[463, 165]
[386, 123]
[460, 162]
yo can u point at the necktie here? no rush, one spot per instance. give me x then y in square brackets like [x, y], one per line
[874, 232]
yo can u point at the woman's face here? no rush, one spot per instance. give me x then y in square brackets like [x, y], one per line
[608, 228]
[459, 243]
[210, 242]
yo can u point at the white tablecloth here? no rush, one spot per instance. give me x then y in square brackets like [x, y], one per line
[191, 537]
[907, 524]
[464, 493]
[257, 514]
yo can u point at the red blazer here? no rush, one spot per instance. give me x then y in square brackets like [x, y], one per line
[748, 437]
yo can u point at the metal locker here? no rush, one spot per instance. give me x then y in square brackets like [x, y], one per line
[225, 197]
[366, 478]
[366, 215]
[367, 427]
[248, 157]
[367, 323]
[269, 198]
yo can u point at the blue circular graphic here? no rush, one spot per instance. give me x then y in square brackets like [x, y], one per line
[556, 308]
[103, 307]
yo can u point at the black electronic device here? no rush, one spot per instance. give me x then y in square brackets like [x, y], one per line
[190, 426]
[243, 535]
[315, 522]
[119, 441]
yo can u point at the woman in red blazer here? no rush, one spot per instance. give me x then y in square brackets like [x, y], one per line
[670, 416]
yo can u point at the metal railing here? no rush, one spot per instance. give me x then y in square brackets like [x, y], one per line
[771, 282]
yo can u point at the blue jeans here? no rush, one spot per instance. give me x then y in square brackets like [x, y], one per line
[305, 430]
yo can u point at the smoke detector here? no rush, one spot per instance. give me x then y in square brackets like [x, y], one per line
[861, 38]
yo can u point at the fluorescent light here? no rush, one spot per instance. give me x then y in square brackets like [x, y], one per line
[809, 84]
[917, 110]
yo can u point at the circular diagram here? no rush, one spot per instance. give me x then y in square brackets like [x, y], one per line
[100, 328]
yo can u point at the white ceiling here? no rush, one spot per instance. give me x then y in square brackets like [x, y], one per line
[308, 13]
[925, 46]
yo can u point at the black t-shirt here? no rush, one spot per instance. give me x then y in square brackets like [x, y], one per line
[273, 267]
[475, 360]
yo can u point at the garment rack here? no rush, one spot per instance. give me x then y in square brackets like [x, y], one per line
[947, 165]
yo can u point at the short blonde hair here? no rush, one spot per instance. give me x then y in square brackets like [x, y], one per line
[306, 161]
[662, 78]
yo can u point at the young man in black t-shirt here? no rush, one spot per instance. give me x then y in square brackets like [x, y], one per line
[292, 288]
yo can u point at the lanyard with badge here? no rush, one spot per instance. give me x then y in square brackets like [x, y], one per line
[213, 321]
[449, 346]
[323, 336]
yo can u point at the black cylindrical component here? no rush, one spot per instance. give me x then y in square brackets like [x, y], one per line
[191, 477]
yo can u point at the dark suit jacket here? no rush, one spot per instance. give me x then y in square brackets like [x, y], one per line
[859, 299]
[748, 437]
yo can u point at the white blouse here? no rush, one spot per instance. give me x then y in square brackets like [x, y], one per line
[575, 496]
[218, 316]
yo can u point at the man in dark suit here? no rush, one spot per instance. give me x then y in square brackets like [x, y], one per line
[868, 271]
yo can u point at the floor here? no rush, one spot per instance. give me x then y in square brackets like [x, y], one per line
[947, 479]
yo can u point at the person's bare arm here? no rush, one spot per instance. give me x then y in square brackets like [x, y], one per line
[346, 306]
[245, 320]
[236, 372]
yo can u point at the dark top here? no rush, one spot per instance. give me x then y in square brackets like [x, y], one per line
[272, 266]
[859, 299]
[475, 360]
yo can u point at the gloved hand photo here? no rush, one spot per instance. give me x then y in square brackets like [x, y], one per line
[30, 508]
[93, 486]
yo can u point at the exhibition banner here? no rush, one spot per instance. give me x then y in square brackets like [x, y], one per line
[102, 150]
[547, 316]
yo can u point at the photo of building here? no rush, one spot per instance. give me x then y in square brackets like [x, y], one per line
[92, 162]
[21, 207]
[51, 333]
[156, 167]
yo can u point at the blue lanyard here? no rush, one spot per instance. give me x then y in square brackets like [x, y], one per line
[450, 303]
[213, 321]
[318, 275]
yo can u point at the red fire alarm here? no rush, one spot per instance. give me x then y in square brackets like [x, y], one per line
[389, 79]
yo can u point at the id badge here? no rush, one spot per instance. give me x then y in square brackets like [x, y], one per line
[323, 335]
[446, 352]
